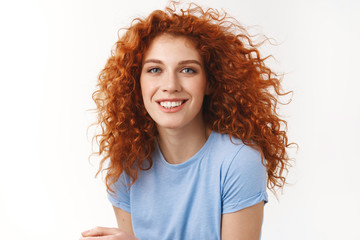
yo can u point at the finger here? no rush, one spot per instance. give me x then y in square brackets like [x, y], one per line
[100, 231]
[98, 238]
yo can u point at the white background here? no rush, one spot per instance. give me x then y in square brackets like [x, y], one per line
[51, 53]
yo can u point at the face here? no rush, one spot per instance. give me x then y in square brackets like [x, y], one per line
[173, 82]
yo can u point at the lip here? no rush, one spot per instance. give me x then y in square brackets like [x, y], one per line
[174, 109]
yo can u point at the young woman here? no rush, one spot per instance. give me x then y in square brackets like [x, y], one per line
[189, 128]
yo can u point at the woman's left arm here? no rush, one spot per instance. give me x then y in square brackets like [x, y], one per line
[244, 224]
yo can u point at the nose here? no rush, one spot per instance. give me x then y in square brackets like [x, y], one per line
[171, 83]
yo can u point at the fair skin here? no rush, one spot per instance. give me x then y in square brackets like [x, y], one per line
[173, 84]
[173, 73]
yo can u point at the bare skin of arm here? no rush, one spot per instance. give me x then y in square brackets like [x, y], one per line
[123, 219]
[123, 232]
[244, 224]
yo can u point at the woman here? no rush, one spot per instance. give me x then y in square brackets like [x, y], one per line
[189, 128]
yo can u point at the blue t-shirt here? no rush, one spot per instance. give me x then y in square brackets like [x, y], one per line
[186, 201]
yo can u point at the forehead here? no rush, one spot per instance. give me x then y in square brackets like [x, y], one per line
[167, 46]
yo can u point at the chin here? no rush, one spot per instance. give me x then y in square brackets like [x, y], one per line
[169, 125]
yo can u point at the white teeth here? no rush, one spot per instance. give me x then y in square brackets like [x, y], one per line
[170, 104]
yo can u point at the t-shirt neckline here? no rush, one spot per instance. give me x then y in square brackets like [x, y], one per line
[191, 160]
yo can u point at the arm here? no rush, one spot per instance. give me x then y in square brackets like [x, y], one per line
[123, 219]
[244, 224]
[123, 232]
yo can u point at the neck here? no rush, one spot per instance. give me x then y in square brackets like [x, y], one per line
[179, 145]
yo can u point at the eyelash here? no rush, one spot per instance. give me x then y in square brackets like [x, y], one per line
[151, 70]
[189, 70]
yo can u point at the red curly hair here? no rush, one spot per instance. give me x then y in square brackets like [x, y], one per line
[240, 105]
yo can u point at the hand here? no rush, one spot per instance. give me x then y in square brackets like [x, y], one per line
[103, 233]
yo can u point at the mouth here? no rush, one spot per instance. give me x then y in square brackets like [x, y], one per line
[171, 104]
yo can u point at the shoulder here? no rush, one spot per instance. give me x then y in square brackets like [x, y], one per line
[226, 140]
[223, 144]
[243, 177]
[234, 152]
[120, 197]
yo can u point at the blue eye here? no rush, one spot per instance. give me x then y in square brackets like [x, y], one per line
[188, 70]
[154, 70]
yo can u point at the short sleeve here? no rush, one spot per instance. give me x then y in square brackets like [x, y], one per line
[244, 183]
[121, 197]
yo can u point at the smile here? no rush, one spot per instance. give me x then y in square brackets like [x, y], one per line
[171, 104]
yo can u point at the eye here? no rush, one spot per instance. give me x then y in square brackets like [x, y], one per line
[188, 70]
[154, 70]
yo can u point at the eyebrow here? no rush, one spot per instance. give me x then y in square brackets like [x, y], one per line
[180, 63]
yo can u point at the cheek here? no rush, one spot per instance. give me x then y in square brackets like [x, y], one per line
[147, 91]
[143, 88]
[198, 88]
